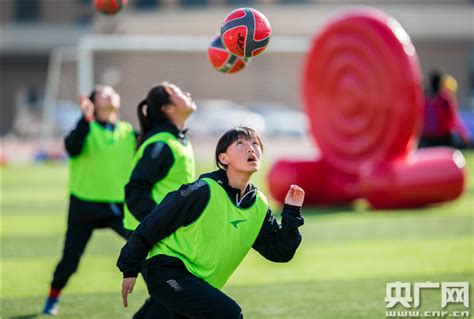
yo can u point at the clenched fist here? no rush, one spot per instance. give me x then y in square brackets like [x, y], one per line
[295, 196]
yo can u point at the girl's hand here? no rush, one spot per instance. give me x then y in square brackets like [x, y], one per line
[295, 196]
[87, 108]
[127, 288]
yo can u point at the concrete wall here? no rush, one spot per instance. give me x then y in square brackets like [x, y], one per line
[440, 30]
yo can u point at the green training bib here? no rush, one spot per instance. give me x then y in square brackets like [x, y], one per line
[216, 243]
[181, 172]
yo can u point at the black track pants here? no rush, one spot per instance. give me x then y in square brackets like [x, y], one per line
[188, 296]
[80, 231]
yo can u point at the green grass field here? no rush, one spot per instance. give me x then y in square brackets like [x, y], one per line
[340, 271]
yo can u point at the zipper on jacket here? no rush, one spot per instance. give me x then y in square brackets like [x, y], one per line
[238, 202]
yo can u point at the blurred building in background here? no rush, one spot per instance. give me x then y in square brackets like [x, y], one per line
[39, 41]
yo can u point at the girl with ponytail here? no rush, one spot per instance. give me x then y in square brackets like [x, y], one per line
[150, 110]
[163, 162]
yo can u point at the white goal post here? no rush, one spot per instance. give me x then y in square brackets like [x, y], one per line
[163, 43]
[90, 44]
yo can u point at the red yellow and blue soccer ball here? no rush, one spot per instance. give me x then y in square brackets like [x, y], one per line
[245, 33]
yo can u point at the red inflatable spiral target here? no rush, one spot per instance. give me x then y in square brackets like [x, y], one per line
[363, 95]
[361, 92]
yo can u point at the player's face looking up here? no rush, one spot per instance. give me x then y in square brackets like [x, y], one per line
[106, 99]
[182, 101]
[243, 155]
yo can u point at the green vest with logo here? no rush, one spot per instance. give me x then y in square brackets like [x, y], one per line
[216, 243]
[100, 172]
[181, 172]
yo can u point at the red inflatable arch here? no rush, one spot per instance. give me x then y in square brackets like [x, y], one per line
[362, 92]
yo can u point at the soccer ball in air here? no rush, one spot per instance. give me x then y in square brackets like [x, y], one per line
[223, 60]
[246, 32]
[109, 6]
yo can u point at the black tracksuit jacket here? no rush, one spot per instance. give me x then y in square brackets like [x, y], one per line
[275, 242]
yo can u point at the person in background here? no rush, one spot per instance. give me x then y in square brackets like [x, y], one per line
[101, 149]
[164, 161]
[196, 238]
[442, 122]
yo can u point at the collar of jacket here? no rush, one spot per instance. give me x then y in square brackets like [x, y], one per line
[106, 124]
[244, 201]
[170, 128]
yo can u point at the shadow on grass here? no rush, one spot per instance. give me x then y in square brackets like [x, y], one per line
[31, 316]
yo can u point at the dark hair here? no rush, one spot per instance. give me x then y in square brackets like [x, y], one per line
[435, 81]
[233, 135]
[93, 94]
[150, 110]
[92, 98]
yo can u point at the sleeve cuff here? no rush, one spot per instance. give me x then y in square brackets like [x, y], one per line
[130, 274]
[292, 209]
[291, 217]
